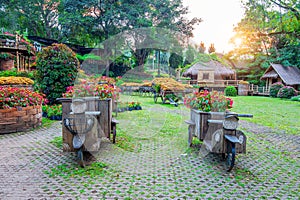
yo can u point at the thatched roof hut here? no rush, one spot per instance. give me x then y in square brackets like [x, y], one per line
[288, 75]
[285, 74]
[221, 72]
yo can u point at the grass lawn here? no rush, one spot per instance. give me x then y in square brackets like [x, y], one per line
[271, 112]
[279, 114]
[166, 122]
[155, 122]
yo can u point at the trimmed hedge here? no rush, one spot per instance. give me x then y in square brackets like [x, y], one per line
[57, 67]
[230, 91]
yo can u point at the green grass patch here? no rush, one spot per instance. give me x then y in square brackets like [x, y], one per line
[156, 122]
[47, 122]
[126, 142]
[96, 169]
[271, 112]
[57, 141]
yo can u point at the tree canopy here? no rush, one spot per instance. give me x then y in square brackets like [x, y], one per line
[90, 22]
[269, 32]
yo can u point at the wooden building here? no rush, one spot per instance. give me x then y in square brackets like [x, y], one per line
[211, 73]
[16, 49]
[287, 75]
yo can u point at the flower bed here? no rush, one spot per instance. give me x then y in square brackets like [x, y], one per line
[14, 80]
[20, 109]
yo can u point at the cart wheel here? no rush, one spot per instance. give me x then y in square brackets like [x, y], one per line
[80, 158]
[155, 98]
[190, 139]
[230, 156]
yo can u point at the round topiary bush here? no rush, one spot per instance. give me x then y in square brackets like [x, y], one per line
[286, 92]
[57, 67]
[275, 87]
[230, 91]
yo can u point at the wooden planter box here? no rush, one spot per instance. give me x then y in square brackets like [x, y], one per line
[20, 119]
[200, 119]
[93, 104]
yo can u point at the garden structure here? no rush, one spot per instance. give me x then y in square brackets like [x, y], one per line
[288, 75]
[211, 74]
[15, 46]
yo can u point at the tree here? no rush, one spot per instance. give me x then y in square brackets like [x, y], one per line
[211, 48]
[39, 17]
[167, 14]
[269, 32]
[175, 60]
[190, 55]
[202, 47]
[91, 22]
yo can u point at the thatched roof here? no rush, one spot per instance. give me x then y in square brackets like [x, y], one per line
[289, 75]
[270, 74]
[220, 70]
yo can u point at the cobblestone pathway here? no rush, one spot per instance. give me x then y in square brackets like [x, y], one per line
[270, 169]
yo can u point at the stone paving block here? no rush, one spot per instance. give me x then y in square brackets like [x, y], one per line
[171, 174]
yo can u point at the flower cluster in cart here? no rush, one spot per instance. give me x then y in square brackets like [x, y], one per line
[208, 101]
[88, 88]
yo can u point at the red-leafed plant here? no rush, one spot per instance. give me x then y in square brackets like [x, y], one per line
[11, 97]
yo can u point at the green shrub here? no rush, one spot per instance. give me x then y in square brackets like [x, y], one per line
[14, 72]
[286, 92]
[230, 91]
[274, 89]
[296, 98]
[57, 67]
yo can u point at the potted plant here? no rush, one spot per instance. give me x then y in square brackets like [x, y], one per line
[98, 98]
[57, 109]
[138, 106]
[131, 106]
[44, 110]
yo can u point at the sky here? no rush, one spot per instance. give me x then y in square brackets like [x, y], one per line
[219, 18]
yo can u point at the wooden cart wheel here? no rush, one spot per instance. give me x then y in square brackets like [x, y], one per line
[80, 158]
[230, 156]
[155, 98]
[190, 139]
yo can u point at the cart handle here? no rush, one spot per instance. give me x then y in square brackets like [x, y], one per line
[238, 115]
[245, 115]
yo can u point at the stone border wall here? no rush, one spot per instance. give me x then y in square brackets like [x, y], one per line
[20, 119]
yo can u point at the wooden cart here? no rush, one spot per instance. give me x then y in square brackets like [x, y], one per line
[218, 132]
[101, 109]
